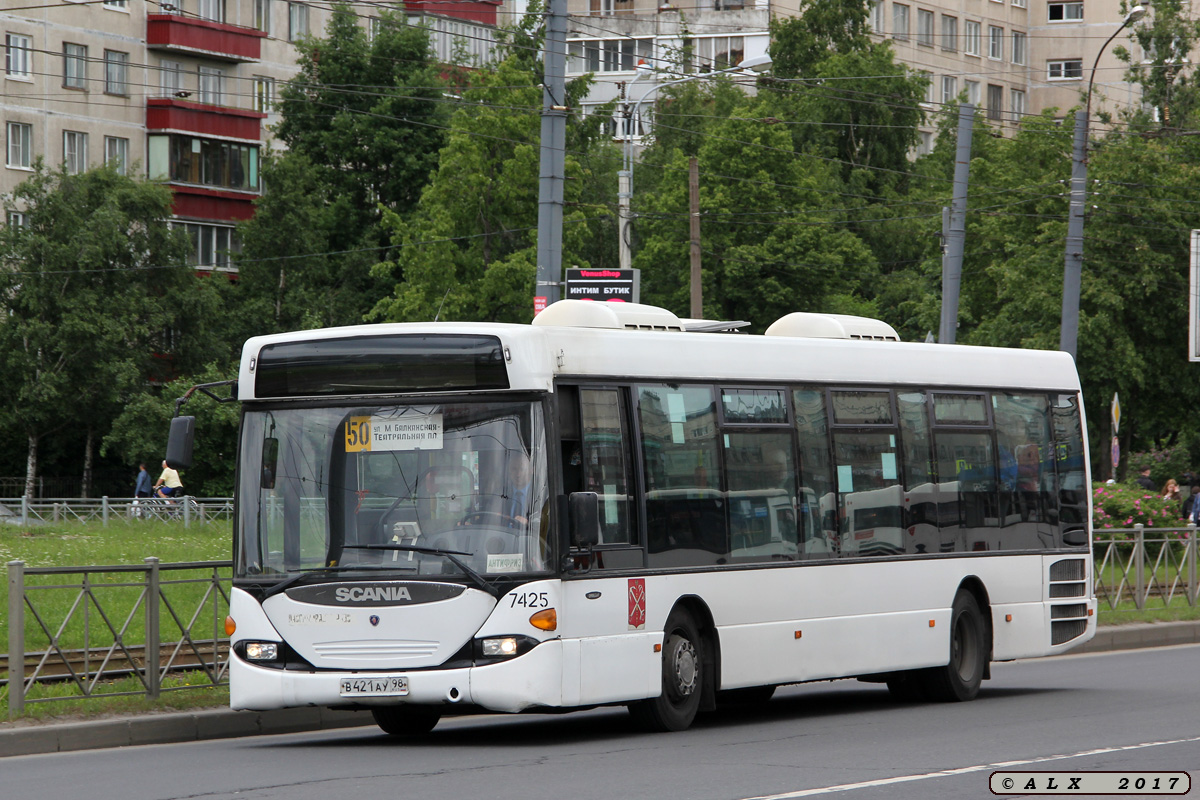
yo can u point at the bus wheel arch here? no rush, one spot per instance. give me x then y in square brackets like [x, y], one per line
[689, 670]
[974, 585]
[970, 651]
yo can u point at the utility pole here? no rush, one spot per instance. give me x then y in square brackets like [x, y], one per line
[1068, 335]
[697, 310]
[956, 236]
[552, 173]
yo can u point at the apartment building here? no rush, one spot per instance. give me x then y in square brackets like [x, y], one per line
[1008, 57]
[181, 91]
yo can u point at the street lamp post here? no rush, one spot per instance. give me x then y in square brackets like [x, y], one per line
[625, 176]
[1073, 265]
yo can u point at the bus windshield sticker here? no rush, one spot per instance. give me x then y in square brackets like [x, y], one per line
[505, 562]
[408, 432]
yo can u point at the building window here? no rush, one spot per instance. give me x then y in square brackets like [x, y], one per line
[718, 52]
[20, 145]
[924, 27]
[995, 104]
[623, 55]
[1018, 48]
[930, 87]
[1070, 69]
[876, 19]
[297, 21]
[925, 145]
[116, 72]
[995, 42]
[949, 88]
[972, 92]
[900, 22]
[262, 15]
[212, 10]
[1065, 12]
[170, 77]
[204, 162]
[74, 66]
[212, 85]
[75, 152]
[116, 152]
[1017, 103]
[949, 33]
[1019, 3]
[18, 56]
[17, 219]
[264, 94]
[116, 5]
[212, 245]
[971, 37]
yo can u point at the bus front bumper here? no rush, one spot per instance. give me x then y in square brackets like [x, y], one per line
[527, 681]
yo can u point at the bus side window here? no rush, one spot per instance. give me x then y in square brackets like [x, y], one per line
[1073, 492]
[604, 461]
[817, 504]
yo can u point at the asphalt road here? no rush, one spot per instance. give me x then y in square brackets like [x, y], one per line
[1131, 710]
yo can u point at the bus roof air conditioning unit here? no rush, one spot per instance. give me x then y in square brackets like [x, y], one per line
[832, 326]
[598, 314]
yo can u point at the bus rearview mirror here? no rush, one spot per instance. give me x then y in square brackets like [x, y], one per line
[179, 442]
[585, 519]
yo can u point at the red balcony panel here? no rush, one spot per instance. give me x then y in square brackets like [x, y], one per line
[198, 203]
[474, 10]
[182, 34]
[168, 113]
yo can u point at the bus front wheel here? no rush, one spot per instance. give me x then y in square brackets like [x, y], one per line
[406, 720]
[960, 679]
[683, 677]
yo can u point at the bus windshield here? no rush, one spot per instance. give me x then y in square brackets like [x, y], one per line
[385, 487]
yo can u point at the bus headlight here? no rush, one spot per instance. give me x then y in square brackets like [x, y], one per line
[500, 648]
[262, 651]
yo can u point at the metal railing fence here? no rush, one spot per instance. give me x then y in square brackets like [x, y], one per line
[109, 610]
[201, 510]
[1145, 566]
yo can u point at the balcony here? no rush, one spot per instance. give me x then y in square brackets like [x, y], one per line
[175, 33]
[173, 114]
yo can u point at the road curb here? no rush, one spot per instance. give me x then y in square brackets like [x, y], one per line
[168, 728]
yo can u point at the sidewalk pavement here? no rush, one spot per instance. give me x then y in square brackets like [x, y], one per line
[23, 738]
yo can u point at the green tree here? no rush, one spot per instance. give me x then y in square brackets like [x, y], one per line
[470, 250]
[1165, 38]
[94, 283]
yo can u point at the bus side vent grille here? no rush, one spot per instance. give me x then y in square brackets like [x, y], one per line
[1069, 569]
[1067, 590]
[1073, 611]
[1067, 629]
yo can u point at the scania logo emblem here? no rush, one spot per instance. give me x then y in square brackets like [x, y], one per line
[374, 619]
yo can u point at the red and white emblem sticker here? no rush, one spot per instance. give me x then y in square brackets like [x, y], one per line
[637, 604]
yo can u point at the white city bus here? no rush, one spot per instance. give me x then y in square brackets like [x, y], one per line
[614, 506]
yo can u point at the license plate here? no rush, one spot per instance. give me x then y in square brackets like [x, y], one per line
[386, 686]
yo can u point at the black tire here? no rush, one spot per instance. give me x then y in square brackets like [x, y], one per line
[406, 720]
[751, 695]
[907, 687]
[959, 680]
[683, 677]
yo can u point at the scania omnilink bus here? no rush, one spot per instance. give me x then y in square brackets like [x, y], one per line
[616, 506]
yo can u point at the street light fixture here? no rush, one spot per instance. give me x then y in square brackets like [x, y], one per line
[625, 176]
[1073, 265]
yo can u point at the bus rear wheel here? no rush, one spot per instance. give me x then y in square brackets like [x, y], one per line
[406, 720]
[960, 679]
[683, 677]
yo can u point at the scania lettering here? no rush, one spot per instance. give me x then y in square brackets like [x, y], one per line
[613, 506]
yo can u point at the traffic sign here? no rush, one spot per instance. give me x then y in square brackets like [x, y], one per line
[1116, 414]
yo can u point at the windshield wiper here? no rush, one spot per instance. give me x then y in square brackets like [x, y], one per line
[291, 581]
[451, 555]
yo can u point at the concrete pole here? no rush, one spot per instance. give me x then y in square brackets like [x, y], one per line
[956, 237]
[552, 172]
[697, 291]
[1073, 265]
[623, 219]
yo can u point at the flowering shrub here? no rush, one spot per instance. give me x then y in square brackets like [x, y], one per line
[1119, 505]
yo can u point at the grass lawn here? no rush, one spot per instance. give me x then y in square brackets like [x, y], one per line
[129, 542]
